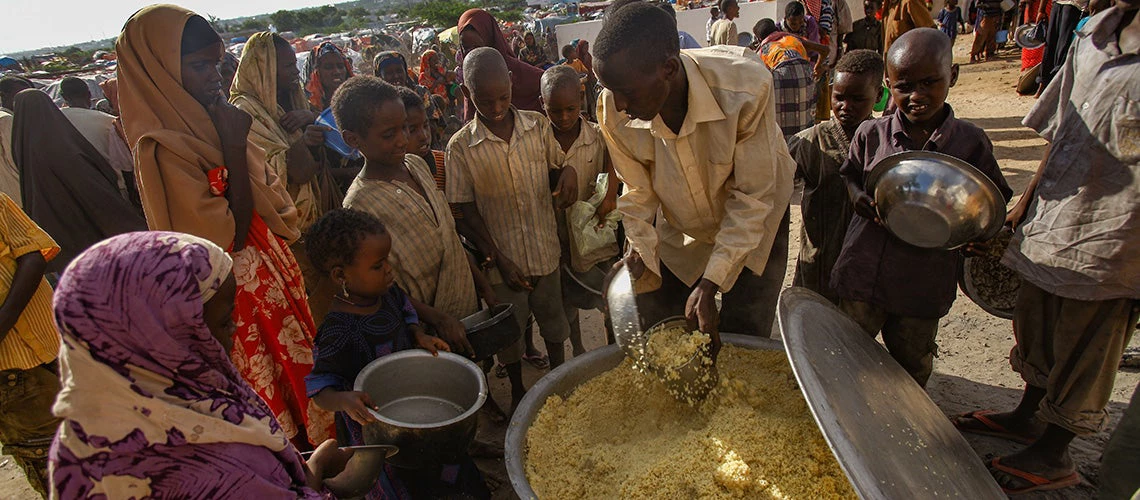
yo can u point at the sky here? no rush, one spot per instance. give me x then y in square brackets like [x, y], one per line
[32, 24]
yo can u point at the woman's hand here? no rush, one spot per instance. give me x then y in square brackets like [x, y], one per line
[297, 118]
[315, 135]
[231, 123]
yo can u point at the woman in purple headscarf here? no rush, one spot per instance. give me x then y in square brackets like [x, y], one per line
[151, 405]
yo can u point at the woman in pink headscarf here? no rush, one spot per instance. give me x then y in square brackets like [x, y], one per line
[477, 28]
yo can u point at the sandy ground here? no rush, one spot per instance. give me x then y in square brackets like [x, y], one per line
[972, 370]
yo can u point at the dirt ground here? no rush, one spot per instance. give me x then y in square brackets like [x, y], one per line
[972, 370]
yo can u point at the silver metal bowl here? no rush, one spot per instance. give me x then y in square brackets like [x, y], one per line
[932, 200]
[361, 471]
[428, 405]
[562, 382]
[691, 381]
[492, 330]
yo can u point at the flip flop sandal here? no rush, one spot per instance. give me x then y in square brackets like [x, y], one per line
[1036, 483]
[993, 429]
[500, 371]
[539, 362]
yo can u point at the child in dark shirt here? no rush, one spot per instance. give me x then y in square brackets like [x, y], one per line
[884, 283]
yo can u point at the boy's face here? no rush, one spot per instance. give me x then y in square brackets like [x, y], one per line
[386, 141]
[492, 99]
[640, 94]
[870, 9]
[714, 12]
[564, 106]
[418, 130]
[919, 87]
[853, 98]
[795, 23]
[370, 275]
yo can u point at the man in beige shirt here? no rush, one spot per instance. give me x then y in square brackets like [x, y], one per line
[723, 31]
[707, 172]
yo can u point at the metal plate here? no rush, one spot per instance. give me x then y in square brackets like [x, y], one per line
[890, 438]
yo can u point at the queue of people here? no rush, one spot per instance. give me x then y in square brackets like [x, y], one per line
[222, 274]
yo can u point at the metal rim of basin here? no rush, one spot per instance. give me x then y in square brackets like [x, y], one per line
[563, 381]
[476, 372]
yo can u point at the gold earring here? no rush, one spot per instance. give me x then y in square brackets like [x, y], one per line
[344, 288]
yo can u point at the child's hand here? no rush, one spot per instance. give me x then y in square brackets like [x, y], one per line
[431, 344]
[452, 330]
[513, 276]
[865, 206]
[356, 404]
[566, 192]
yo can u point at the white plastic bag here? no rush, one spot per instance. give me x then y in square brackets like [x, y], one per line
[590, 244]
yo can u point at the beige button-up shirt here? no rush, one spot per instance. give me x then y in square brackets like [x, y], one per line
[721, 185]
[588, 157]
[429, 260]
[510, 186]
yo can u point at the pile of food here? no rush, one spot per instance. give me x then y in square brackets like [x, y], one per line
[621, 435]
[674, 346]
[988, 282]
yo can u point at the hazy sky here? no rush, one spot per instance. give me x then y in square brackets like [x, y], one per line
[31, 24]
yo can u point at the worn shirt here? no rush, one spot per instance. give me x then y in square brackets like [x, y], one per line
[34, 340]
[721, 184]
[875, 266]
[901, 16]
[866, 33]
[588, 157]
[794, 85]
[826, 207]
[724, 33]
[1081, 238]
[9, 172]
[428, 258]
[99, 130]
[510, 186]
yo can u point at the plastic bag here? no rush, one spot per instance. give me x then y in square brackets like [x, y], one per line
[590, 244]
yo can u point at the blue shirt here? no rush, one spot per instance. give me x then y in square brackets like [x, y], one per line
[687, 40]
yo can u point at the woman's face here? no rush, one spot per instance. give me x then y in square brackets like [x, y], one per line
[332, 71]
[200, 75]
[470, 40]
[529, 40]
[218, 312]
[395, 75]
[288, 76]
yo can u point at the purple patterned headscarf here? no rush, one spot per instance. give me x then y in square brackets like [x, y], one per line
[151, 404]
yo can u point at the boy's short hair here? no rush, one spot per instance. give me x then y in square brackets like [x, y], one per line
[640, 28]
[73, 87]
[411, 99]
[723, 4]
[862, 62]
[357, 99]
[566, 49]
[794, 9]
[334, 238]
[482, 61]
[763, 28]
[919, 43]
[557, 77]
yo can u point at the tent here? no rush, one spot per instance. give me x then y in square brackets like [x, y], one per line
[449, 35]
[9, 63]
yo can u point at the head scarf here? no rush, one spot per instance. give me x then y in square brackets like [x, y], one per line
[313, 78]
[532, 37]
[175, 142]
[152, 405]
[428, 78]
[781, 47]
[388, 58]
[526, 80]
[68, 187]
[255, 92]
[584, 55]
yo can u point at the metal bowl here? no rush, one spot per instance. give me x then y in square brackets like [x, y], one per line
[428, 405]
[932, 200]
[693, 380]
[562, 382]
[492, 330]
[361, 471]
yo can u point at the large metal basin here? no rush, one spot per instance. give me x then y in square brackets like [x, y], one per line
[428, 405]
[932, 200]
[562, 382]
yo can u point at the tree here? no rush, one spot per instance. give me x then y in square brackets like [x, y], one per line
[286, 20]
[252, 24]
[439, 12]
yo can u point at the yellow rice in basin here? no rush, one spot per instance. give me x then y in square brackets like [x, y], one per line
[621, 435]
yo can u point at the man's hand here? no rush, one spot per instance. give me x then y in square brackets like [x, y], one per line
[566, 192]
[297, 118]
[512, 275]
[865, 206]
[701, 310]
[609, 204]
[450, 329]
[315, 135]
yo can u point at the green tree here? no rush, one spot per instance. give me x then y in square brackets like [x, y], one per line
[442, 13]
[252, 24]
[286, 20]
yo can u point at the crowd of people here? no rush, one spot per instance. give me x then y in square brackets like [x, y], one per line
[233, 241]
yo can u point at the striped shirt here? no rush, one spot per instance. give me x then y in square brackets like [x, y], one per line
[34, 340]
[510, 186]
[588, 157]
[429, 261]
[440, 176]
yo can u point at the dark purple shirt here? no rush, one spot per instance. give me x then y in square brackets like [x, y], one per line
[875, 266]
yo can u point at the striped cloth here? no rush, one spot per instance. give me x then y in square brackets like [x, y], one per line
[588, 157]
[429, 260]
[440, 176]
[510, 185]
[34, 340]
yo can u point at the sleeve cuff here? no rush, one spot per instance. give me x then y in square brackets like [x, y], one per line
[317, 382]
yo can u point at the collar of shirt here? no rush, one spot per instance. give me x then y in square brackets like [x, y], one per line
[480, 132]
[938, 138]
[586, 136]
[703, 107]
[1102, 28]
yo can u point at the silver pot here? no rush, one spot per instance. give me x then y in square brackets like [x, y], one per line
[428, 405]
[492, 330]
[932, 200]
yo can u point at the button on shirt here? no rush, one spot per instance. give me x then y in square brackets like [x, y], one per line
[510, 186]
[721, 185]
[1081, 238]
[880, 269]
